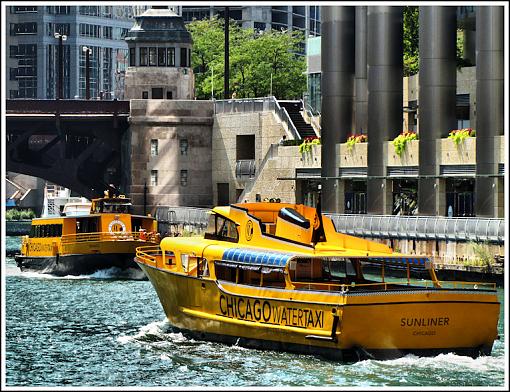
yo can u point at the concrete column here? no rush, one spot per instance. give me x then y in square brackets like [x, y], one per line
[360, 73]
[385, 94]
[489, 116]
[438, 83]
[337, 58]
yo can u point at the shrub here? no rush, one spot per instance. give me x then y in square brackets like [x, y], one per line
[401, 140]
[459, 135]
[353, 139]
[307, 144]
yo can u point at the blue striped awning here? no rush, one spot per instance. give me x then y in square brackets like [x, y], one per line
[400, 260]
[256, 257]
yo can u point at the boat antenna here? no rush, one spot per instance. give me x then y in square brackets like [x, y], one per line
[318, 234]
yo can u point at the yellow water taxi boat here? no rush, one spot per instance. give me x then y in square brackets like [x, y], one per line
[278, 276]
[81, 244]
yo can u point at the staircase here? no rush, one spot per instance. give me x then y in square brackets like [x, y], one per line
[293, 108]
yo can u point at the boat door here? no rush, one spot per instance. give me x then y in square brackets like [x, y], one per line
[190, 265]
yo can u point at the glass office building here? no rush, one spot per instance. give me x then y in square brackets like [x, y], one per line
[33, 50]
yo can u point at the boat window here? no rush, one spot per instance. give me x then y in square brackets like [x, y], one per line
[253, 275]
[120, 208]
[221, 228]
[225, 271]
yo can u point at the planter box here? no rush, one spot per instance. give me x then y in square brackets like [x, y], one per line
[462, 154]
[409, 157]
[354, 157]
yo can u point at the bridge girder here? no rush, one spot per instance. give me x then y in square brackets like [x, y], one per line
[80, 151]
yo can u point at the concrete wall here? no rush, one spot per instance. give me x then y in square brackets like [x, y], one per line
[168, 122]
[267, 130]
[180, 81]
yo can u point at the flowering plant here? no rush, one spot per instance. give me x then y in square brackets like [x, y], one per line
[353, 139]
[307, 144]
[401, 140]
[458, 135]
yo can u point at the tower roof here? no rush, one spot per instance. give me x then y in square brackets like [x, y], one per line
[158, 25]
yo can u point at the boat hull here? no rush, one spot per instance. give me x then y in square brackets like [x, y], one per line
[341, 326]
[77, 264]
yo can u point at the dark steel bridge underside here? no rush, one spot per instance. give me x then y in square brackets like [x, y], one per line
[76, 144]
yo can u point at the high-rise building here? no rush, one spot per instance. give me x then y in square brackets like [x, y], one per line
[303, 18]
[33, 50]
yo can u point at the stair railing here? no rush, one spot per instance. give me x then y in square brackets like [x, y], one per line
[250, 105]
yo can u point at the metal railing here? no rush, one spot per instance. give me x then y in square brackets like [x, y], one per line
[245, 169]
[251, 105]
[107, 236]
[191, 218]
[421, 227]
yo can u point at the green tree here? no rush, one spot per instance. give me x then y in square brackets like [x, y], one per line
[411, 40]
[255, 60]
[411, 43]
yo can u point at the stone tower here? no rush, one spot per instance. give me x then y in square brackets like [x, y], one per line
[159, 57]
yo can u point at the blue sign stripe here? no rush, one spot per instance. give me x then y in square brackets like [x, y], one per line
[256, 257]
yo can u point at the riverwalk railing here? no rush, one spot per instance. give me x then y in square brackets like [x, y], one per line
[421, 227]
[250, 105]
[376, 226]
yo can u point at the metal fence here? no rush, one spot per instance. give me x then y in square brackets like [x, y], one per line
[421, 227]
[175, 219]
[382, 226]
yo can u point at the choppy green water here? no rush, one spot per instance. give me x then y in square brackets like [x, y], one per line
[93, 331]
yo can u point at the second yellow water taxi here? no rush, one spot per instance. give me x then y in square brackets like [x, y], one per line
[81, 244]
[278, 276]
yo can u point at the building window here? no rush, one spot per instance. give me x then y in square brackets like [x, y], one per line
[152, 57]
[161, 57]
[132, 57]
[157, 93]
[184, 57]
[23, 10]
[460, 196]
[355, 197]
[107, 32]
[170, 57]
[145, 95]
[89, 10]
[143, 57]
[168, 95]
[29, 28]
[183, 144]
[154, 178]
[154, 147]
[405, 197]
[184, 177]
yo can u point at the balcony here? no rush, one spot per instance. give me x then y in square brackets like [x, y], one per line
[245, 169]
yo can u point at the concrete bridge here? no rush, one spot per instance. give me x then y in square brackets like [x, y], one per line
[73, 143]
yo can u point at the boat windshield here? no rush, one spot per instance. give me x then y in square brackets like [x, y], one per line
[221, 228]
[120, 207]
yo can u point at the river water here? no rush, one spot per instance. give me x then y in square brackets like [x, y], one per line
[95, 331]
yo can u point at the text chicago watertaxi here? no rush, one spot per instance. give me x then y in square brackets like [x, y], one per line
[278, 276]
[83, 244]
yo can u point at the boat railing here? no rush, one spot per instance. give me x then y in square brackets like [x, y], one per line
[445, 284]
[107, 236]
[324, 286]
[149, 254]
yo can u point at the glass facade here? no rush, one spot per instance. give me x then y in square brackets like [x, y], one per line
[33, 50]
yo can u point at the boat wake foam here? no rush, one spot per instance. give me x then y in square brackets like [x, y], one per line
[157, 333]
[443, 361]
[108, 273]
